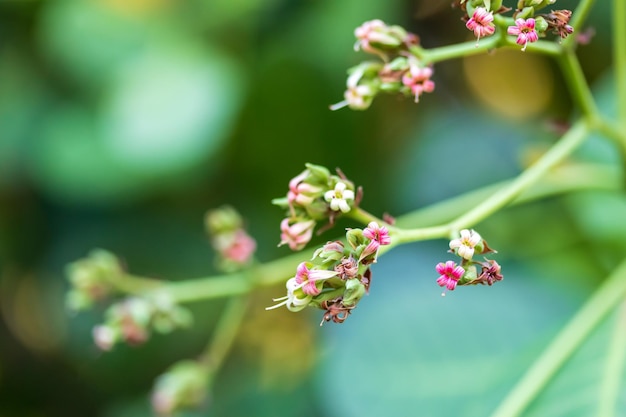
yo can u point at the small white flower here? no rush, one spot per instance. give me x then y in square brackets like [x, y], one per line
[466, 243]
[291, 300]
[338, 198]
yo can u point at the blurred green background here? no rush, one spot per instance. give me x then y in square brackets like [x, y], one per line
[123, 121]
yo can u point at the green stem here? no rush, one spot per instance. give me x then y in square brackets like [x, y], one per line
[444, 53]
[365, 217]
[133, 284]
[575, 78]
[604, 299]
[224, 334]
[619, 52]
[614, 367]
[561, 150]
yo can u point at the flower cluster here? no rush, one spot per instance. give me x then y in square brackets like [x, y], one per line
[338, 275]
[399, 70]
[314, 195]
[132, 320]
[235, 248]
[91, 279]
[466, 246]
[527, 28]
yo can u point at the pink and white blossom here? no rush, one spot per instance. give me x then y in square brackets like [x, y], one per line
[309, 277]
[379, 236]
[418, 80]
[525, 31]
[481, 23]
[464, 245]
[449, 274]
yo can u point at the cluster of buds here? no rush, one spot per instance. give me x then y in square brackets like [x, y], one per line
[528, 26]
[235, 248]
[400, 71]
[185, 384]
[314, 195]
[338, 275]
[132, 320]
[468, 244]
[91, 279]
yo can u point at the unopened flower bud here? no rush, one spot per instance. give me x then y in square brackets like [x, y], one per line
[184, 385]
[377, 38]
[541, 25]
[221, 220]
[355, 290]
[296, 233]
[330, 252]
[105, 337]
[355, 238]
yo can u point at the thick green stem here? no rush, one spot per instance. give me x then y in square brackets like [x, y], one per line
[613, 367]
[568, 143]
[575, 78]
[444, 53]
[557, 154]
[605, 299]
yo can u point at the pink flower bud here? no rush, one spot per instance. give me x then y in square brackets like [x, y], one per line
[297, 234]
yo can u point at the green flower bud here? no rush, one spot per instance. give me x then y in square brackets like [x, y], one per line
[184, 385]
[221, 220]
[525, 13]
[541, 25]
[355, 290]
[355, 238]
[317, 174]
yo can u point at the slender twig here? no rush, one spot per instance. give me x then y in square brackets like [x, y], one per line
[224, 334]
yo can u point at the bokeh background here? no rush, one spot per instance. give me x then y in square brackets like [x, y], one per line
[122, 122]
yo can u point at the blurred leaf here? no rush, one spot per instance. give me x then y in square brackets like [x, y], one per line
[21, 101]
[163, 117]
[454, 151]
[170, 109]
[90, 41]
[576, 390]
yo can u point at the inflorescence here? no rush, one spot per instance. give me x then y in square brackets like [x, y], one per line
[403, 66]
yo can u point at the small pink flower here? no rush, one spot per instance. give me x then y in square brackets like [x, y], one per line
[378, 236]
[450, 273]
[241, 249]
[296, 235]
[377, 233]
[308, 277]
[525, 32]
[465, 244]
[418, 80]
[481, 23]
